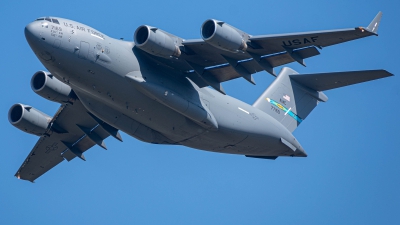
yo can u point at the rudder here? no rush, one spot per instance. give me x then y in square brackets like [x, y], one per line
[288, 101]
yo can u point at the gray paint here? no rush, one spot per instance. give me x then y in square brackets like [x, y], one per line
[117, 86]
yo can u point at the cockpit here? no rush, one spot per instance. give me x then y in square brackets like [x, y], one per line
[51, 20]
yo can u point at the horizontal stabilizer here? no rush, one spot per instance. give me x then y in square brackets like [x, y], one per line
[327, 81]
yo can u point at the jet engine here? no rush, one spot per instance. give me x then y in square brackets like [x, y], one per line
[156, 42]
[223, 36]
[28, 119]
[49, 87]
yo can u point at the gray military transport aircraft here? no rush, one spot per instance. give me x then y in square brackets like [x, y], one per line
[156, 89]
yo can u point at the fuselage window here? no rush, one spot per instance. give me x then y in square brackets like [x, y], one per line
[55, 21]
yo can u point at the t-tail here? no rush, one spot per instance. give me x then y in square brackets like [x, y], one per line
[292, 97]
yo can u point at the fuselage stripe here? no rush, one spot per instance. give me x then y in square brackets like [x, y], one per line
[283, 108]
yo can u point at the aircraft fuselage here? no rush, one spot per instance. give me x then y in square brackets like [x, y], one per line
[103, 72]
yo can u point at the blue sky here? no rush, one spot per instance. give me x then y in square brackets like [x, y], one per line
[351, 175]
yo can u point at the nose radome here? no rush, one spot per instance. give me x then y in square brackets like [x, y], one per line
[31, 31]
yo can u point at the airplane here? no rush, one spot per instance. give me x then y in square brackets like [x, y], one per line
[163, 89]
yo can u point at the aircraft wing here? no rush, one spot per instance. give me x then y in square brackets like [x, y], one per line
[73, 131]
[208, 65]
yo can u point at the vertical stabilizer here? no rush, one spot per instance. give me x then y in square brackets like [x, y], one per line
[291, 97]
[288, 101]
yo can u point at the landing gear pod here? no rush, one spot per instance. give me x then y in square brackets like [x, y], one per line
[28, 119]
[156, 42]
[223, 36]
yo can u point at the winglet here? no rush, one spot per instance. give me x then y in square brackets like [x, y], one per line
[374, 25]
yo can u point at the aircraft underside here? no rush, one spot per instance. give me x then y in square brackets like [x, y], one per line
[163, 89]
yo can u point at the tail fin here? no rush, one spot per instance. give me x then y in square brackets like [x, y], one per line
[292, 97]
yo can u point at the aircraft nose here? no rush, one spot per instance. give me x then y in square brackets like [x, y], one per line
[32, 32]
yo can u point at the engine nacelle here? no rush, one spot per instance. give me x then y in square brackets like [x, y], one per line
[223, 36]
[28, 119]
[49, 87]
[156, 42]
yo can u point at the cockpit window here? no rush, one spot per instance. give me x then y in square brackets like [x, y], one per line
[49, 19]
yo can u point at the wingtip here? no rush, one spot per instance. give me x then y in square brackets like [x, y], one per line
[374, 25]
[388, 74]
